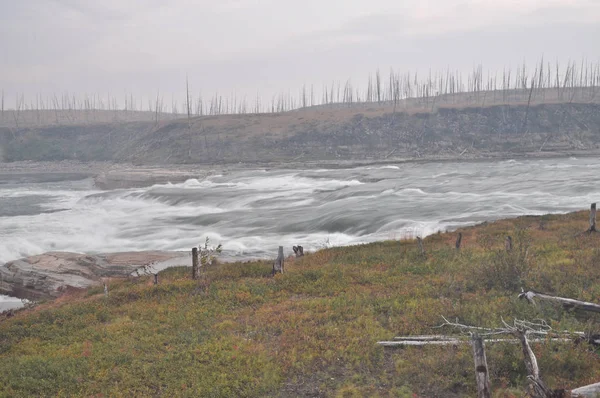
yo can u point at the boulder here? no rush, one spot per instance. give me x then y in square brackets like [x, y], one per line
[50, 274]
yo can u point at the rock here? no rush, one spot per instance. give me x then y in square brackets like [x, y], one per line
[50, 274]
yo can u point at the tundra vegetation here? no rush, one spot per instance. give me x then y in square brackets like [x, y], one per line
[312, 331]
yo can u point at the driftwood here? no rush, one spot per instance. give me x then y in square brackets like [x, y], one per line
[195, 270]
[482, 376]
[278, 264]
[566, 302]
[458, 241]
[421, 247]
[298, 251]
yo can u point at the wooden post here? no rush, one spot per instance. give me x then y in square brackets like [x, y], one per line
[156, 279]
[278, 264]
[421, 247]
[592, 218]
[195, 263]
[458, 240]
[105, 290]
[508, 244]
[481, 369]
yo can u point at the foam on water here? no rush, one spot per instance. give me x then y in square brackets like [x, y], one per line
[253, 212]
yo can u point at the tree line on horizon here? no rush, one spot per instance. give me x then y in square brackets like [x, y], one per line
[547, 82]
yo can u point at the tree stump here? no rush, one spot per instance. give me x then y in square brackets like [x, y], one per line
[481, 368]
[421, 247]
[508, 244]
[298, 250]
[458, 241]
[278, 264]
[592, 218]
[195, 263]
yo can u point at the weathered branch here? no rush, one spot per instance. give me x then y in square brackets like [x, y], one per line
[566, 302]
[591, 391]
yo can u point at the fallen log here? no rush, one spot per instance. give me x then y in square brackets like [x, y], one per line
[566, 302]
[591, 391]
[406, 341]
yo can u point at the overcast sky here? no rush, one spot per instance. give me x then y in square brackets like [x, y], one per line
[267, 46]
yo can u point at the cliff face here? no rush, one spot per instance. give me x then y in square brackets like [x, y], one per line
[318, 134]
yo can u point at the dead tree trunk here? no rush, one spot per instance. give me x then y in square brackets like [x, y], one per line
[195, 263]
[566, 302]
[458, 241]
[421, 247]
[538, 387]
[481, 369]
[156, 279]
[278, 264]
[592, 218]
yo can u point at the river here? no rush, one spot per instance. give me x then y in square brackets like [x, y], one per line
[252, 212]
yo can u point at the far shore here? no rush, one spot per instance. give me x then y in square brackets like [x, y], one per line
[110, 175]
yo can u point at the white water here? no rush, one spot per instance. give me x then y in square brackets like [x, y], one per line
[252, 212]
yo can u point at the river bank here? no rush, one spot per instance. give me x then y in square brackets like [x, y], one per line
[313, 331]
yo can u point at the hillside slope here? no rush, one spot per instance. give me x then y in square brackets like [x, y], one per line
[368, 132]
[313, 330]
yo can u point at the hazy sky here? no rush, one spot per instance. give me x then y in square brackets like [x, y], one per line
[267, 46]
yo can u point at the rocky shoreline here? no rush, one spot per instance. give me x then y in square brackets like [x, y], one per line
[51, 274]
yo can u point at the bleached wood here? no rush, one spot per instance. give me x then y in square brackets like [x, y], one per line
[583, 305]
[591, 391]
[454, 341]
[481, 368]
[278, 264]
